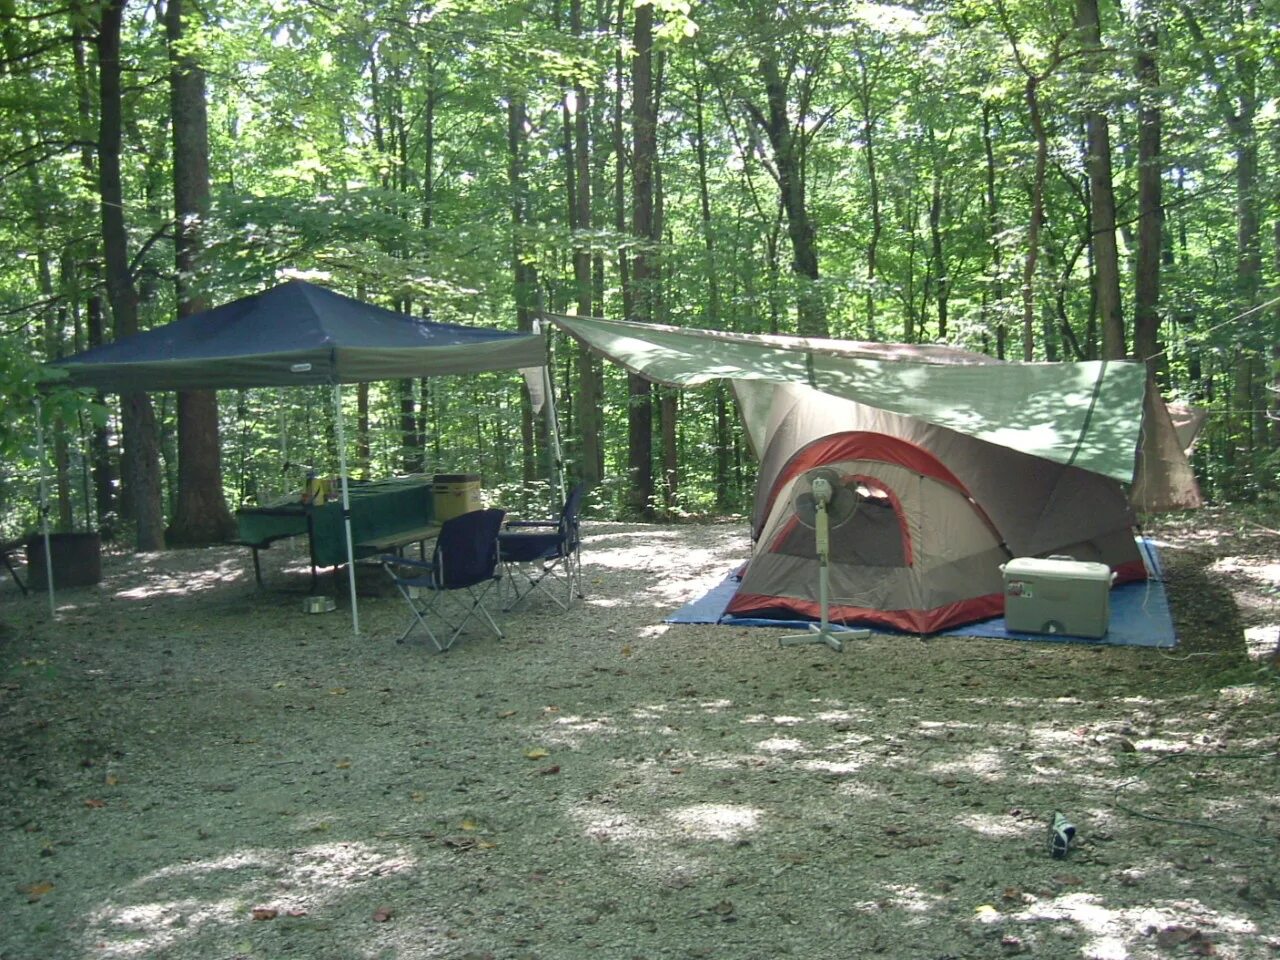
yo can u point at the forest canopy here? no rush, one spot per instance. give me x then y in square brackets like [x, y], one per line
[1033, 181]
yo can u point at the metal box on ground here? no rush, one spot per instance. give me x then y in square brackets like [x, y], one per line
[455, 494]
[76, 560]
[1071, 597]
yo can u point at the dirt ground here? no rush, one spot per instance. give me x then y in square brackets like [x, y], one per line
[194, 768]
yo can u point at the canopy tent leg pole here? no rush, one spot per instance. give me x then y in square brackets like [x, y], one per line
[553, 425]
[553, 421]
[44, 508]
[346, 506]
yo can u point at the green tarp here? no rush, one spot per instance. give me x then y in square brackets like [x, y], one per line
[1087, 414]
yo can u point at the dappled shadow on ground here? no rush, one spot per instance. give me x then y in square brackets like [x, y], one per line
[597, 785]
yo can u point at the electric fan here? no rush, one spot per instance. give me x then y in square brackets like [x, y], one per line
[820, 501]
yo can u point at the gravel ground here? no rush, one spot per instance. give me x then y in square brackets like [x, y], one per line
[193, 768]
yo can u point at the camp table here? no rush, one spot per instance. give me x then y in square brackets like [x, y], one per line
[385, 514]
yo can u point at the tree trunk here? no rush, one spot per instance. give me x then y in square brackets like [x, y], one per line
[1146, 294]
[995, 313]
[524, 278]
[873, 195]
[590, 420]
[1243, 446]
[103, 468]
[1106, 256]
[788, 159]
[644, 156]
[935, 234]
[200, 512]
[141, 447]
[1037, 218]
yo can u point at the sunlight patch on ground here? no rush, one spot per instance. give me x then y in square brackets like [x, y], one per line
[987, 764]
[782, 721]
[993, 826]
[716, 821]
[1250, 693]
[244, 879]
[1262, 641]
[184, 585]
[834, 766]
[903, 896]
[839, 716]
[781, 745]
[1113, 931]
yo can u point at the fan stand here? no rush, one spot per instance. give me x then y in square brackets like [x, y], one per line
[821, 632]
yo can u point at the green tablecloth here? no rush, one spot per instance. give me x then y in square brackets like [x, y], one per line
[379, 508]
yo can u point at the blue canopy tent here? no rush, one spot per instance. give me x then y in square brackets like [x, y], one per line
[298, 334]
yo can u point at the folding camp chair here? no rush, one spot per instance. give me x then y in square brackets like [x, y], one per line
[465, 559]
[542, 554]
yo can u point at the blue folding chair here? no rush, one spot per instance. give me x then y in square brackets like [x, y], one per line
[545, 554]
[463, 566]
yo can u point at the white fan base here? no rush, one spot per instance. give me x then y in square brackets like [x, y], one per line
[823, 634]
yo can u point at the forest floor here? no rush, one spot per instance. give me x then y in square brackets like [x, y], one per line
[194, 768]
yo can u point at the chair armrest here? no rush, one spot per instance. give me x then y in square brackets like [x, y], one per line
[532, 523]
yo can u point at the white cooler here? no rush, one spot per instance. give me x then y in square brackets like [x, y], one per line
[1071, 597]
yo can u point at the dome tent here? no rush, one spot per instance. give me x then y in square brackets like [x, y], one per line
[937, 513]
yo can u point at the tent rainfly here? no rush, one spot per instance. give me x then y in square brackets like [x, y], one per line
[957, 462]
[299, 334]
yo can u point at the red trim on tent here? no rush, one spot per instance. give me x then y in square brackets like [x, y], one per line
[868, 445]
[1131, 571]
[908, 621]
[864, 445]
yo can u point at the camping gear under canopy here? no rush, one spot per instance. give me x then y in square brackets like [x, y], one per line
[299, 334]
[296, 334]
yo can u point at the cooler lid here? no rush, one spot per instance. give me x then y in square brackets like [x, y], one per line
[1058, 569]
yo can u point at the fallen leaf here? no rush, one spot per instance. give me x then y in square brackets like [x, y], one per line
[546, 771]
[111, 780]
[265, 913]
[417, 796]
[536, 753]
[343, 764]
[469, 823]
[35, 891]
[94, 804]
[503, 714]
[626, 650]
[337, 691]
[382, 915]
[295, 912]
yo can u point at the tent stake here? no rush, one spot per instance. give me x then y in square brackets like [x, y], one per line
[346, 506]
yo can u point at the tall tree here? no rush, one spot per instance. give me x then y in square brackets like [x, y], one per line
[1146, 288]
[590, 421]
[200, 512]
[141, 438]
[1106, 254]
[644, 153]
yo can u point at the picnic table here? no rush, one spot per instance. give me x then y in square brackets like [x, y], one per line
[386, 516]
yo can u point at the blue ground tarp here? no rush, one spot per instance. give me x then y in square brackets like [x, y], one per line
[1139, 614]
